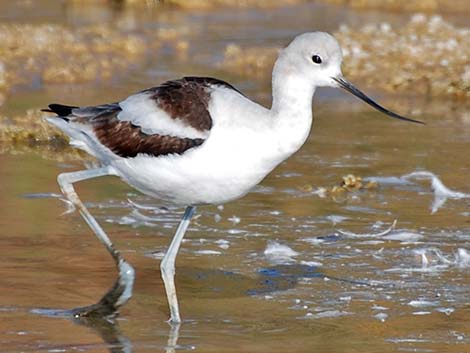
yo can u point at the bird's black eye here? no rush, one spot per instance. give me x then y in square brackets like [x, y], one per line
[316, 59]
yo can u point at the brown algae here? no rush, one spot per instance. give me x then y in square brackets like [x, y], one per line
[427, 56]
[31, 132]
[51, 53]
[210, 4]
[454, 6]
[57, 54]
[349, 183]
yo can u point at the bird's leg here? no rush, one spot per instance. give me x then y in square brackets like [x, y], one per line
[121, 291]
[167, 265]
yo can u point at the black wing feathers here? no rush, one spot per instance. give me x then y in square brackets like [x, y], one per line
[59, 109]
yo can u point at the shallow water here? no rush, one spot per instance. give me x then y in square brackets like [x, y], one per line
[279, 270]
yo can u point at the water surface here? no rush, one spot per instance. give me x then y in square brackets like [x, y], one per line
[279, 270]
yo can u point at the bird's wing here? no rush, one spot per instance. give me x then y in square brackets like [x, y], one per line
[170, 118]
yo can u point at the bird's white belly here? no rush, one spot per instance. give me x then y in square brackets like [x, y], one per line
[219, 171]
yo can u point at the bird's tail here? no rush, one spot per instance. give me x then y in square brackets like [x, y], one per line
[59, 109]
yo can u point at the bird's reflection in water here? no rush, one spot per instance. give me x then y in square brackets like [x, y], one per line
[173, 338]
[109, 331]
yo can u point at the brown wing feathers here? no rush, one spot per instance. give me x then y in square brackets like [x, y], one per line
[184, 100]
[127, 140]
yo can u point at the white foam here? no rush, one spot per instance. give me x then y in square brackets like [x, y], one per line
[368, 235]
[235, 231]
[406, 340]
[446, 311]
[433, 259]
[462, 258]
[130, 221]
[381, 316]
[223, 244]
[404, 236]
[378, 307]
[371, 242]
[419, 269]
[430, 260]
[321, 192]
[441, 192]
[326, 314]
[389, 180]
[335, 219]
[311, 263]
[70, 206]
[208, 252]
[421, 303]
[234, 220]
[141, 206]
[279, 253]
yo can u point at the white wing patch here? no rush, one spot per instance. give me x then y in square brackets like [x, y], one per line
[143, 111]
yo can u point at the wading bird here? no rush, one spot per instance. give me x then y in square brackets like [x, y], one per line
[198, 141]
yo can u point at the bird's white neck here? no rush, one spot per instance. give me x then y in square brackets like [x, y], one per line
[291, 109]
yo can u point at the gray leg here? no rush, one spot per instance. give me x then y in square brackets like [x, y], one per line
[167, 265]
[121, 292]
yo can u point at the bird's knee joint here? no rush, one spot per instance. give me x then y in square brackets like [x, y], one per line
[167, 270]
[66, 187]
[63, 183]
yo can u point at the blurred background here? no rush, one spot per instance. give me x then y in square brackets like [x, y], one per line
[297, 265]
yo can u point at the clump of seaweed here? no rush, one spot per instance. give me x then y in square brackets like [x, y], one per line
[454, 6]
[51, 53]
[56, 54]
[349, 183]
[29, 129]
[428, 56]
[30, 132]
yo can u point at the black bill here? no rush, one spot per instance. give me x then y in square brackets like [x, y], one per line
[348, 86]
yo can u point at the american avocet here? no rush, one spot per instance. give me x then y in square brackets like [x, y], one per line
[199, 140]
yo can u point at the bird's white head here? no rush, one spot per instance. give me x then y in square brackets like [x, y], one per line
[314, 60]
[314, 57]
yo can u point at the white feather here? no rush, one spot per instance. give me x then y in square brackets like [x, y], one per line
[141, 110]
